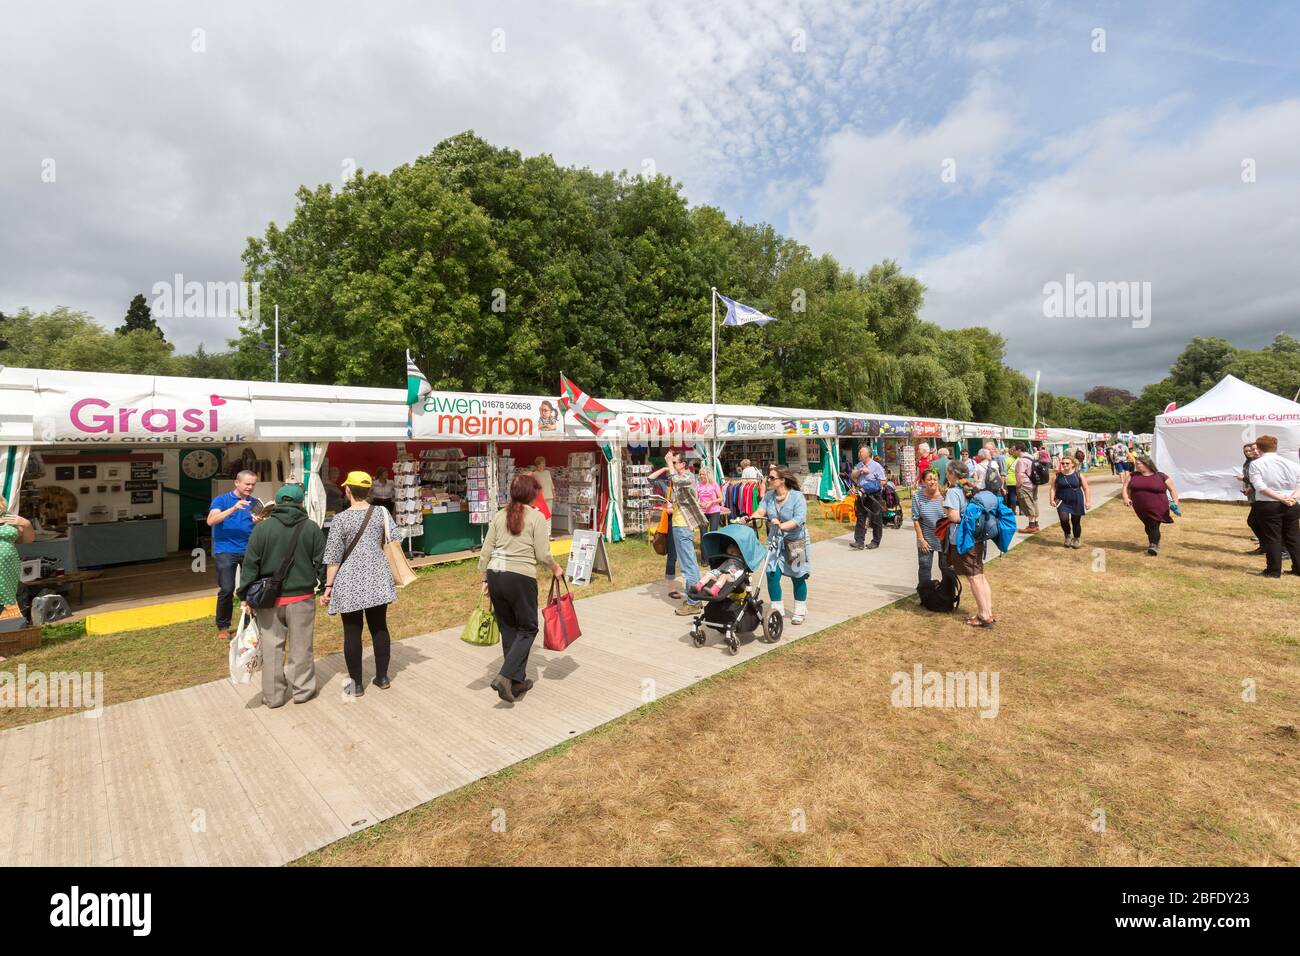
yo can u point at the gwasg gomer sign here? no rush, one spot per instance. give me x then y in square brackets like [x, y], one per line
[774, 428]
[485, 417]
[67, 416]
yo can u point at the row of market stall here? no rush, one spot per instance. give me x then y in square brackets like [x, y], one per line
[118, 469]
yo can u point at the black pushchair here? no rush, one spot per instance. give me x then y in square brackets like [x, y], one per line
[741, 610]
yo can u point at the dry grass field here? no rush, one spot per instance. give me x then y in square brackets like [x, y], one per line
[1126, 733]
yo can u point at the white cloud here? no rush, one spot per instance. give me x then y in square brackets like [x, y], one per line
[1220, 254]
[862, 208]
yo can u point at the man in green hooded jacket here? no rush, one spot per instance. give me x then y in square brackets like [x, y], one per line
[291, 624]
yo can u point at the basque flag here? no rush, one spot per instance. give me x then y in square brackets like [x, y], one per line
[583, 407]
[740, 314]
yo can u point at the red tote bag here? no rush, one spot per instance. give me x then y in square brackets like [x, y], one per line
[559, 619]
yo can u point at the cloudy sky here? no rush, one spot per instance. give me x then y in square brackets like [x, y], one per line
[991, 148]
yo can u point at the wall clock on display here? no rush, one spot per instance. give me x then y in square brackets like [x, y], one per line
[200, 465]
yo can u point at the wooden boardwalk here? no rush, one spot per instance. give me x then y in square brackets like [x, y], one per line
[208, 776]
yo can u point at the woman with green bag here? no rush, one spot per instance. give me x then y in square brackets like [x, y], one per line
[517, 544]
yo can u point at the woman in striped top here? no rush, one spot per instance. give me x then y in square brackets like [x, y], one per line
[927, 509]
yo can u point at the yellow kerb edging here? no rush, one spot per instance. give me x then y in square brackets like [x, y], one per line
[154, 615]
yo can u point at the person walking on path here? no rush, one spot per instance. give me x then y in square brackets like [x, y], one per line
[869, 479]
[970, 564]
[287, 630]
[1026, 488]
[1072, 498]
[686, 517]
[516, 545]
[14, 530]
[786, 510]
[1277, 491]
[927, 510]
[357, 579]
[231, 517]
[1148, 492]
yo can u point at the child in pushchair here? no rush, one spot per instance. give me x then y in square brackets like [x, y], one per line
[893, 507]
[723, 579]
[731, 603]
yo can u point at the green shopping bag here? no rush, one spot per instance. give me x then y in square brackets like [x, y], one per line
[481, 629]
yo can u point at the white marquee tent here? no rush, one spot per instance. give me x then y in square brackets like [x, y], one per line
[1199, 445]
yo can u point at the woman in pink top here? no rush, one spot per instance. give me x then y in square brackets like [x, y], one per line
[710, 495]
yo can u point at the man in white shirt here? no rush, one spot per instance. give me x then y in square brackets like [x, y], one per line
[1276, 513]
[979, 469]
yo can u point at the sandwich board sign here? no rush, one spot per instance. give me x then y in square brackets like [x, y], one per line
[587, 554]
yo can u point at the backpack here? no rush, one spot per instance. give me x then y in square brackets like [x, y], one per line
[943, 595]
[1038, 472]
[993, 479]
[987, 526]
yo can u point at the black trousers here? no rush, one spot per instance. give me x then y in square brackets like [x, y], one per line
[376, 619]
[1152, 526]
[869, 506]
[1071, 524]
[1252, 522]
[1279, 528]
[514, 604]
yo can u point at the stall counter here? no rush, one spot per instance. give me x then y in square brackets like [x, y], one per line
[447, 532]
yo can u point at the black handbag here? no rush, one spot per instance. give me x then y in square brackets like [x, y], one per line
[264, 592]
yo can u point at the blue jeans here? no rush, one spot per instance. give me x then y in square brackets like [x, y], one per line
[226, 564]
[925, 564]
[684, 542]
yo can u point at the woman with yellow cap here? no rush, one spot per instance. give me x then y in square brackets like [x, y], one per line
[358, 582]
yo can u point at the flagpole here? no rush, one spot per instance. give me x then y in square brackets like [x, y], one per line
[713, 368]
[1037, 375]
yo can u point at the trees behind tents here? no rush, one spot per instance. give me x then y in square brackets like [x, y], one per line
[501, 271]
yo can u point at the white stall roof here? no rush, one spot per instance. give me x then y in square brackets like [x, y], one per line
[43, 406]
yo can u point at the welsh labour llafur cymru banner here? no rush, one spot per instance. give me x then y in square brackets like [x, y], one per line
[485, 417]
[160, 415]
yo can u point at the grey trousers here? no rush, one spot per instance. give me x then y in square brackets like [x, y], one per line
[293, 625]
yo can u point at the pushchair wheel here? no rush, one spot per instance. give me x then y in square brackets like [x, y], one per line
[898, 519]
[772, 625]
[697, 637]
[733, 642]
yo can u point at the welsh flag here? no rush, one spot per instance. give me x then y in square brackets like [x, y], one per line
[585, 408]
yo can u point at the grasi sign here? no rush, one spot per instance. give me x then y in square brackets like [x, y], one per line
[467, 415]
[129, 418]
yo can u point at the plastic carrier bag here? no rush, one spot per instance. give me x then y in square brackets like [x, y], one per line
[245, 651]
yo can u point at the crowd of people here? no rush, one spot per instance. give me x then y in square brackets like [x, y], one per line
[349, 572]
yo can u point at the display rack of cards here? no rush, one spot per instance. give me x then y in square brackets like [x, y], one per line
[582, 489]
[479, 488]
[505, 473]
[408, 504]
[561, 515]
[636, 498]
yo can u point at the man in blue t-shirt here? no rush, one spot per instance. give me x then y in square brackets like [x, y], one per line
[231, 518]
[868, 481]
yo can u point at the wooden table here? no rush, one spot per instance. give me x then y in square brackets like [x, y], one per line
[57, 581]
